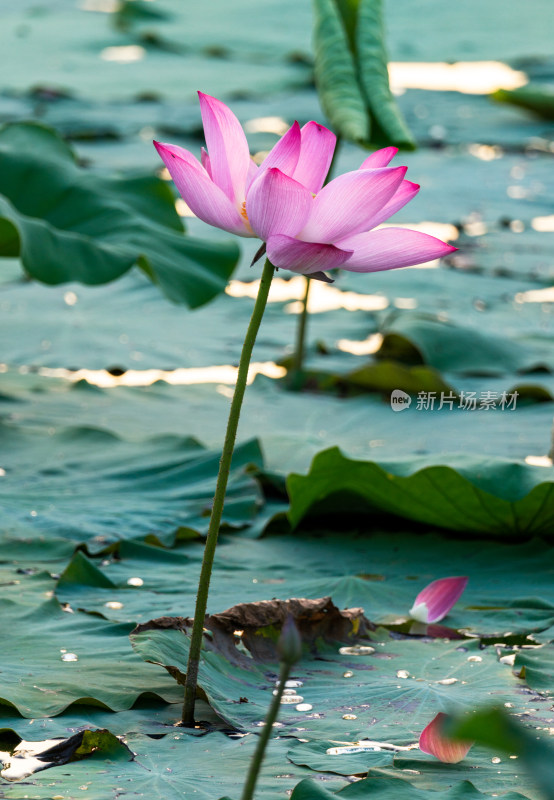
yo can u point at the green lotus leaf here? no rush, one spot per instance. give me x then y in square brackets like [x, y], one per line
[68, 224]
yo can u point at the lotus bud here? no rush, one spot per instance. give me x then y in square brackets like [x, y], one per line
[289, 645]
[436, 743]
[435, 601]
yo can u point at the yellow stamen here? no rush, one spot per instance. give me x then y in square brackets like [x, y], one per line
[244, 215]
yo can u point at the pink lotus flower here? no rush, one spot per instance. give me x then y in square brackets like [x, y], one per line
[435, 601]
[306, 228]
[435, 742]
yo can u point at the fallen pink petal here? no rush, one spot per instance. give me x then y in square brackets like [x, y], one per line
[435, 601]
[434, 742]
[307, 228]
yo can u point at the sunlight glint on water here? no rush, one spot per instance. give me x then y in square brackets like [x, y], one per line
[468, 77]
[364, 348]
[224, 374]
[536, 296]
[543, 224]
[23, 761]
[356, 650]
[100, 6]
[368, 746]
[539, 461]
[123, 54]
[276, 125]
[323, 297]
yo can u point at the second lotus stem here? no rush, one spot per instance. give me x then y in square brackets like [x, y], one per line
[298, 360]
[296, 378]
[267, 730]
[289, 648]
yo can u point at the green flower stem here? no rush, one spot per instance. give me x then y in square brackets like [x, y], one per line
[267, 730]
[296, 377]
[219, 497]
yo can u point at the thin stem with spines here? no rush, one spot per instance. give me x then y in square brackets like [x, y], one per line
[219, 497]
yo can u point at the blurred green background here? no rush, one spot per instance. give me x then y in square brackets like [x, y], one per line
[113, 400]
[110, 76]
